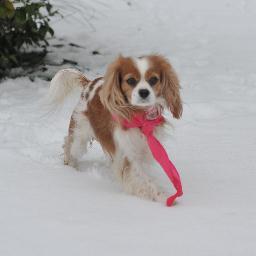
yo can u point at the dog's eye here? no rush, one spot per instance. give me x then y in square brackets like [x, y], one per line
[153, 80]
[131, 81]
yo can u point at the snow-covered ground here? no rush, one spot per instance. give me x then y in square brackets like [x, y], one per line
[50, 209]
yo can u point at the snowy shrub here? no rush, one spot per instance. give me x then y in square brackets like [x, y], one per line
[24, 29]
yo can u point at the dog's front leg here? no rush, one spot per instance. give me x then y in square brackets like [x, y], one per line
[136, 182]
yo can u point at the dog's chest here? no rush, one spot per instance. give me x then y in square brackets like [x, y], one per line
[133, 143]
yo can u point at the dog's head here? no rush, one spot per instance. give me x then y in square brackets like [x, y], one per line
[139, 83]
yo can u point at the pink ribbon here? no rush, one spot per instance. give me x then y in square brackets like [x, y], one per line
[147, 127]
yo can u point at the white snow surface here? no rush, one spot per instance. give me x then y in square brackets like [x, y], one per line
[49, 209]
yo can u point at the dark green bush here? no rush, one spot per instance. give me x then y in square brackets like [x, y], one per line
[24, 29]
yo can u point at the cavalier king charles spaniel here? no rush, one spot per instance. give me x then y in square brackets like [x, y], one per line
[131, 85]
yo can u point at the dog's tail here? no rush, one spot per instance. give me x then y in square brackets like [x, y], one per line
[63, 83]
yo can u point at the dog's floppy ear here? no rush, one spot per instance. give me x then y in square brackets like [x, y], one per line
[170, 87]
[111, 94]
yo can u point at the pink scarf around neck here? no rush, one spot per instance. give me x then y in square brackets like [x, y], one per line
[146, 123]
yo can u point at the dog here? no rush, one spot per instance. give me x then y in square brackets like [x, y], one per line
[129, 86]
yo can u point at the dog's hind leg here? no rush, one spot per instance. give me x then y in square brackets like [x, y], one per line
[79, 136]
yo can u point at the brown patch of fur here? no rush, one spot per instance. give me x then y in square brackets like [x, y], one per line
[170, 87]
[115, 91]
[91, 86]
[87, 96]
[72, 125]
[102, 123]
[126, 88]
[154, 71]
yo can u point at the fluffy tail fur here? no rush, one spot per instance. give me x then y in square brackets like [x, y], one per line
[63, 83]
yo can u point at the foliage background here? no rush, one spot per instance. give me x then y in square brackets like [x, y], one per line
[24, 32]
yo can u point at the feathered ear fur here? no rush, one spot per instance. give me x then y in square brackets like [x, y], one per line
[170, 86]
[111, 94]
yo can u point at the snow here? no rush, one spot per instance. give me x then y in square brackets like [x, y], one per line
[50, 209]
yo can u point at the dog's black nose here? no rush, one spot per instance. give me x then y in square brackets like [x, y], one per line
[143, 93]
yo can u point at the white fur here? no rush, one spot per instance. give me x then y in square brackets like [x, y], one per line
[62, 84]
[136, 98]
[83, 133]
[133, 144]
[76, 145]
[136, 182]
[142, 65]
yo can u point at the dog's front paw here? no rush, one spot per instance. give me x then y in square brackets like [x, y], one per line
[160, 196]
